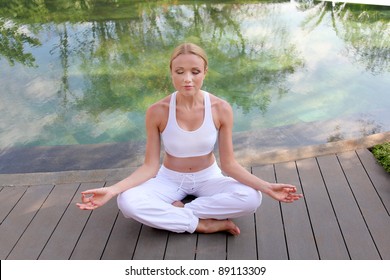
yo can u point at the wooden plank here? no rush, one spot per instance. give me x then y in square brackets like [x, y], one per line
[96, 232]
[9, 196]
[330, 242]
[151, 244]
[33, 240]
[69, 229]
[299, 235]
[181, 246]
[20, 217]
[359, 199]
[123, 239]
[271, 241]
[369, 202]
[212, 246]
[243, 246]
[378, 175]
[356, 234]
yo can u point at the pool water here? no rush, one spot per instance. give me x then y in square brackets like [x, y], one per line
[84, 72]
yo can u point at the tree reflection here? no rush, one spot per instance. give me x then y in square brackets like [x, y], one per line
[364, 28]
[245, 71]
[114, 54]
[13, 42]
[124, 61]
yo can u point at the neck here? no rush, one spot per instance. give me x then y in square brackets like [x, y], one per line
[189, 100]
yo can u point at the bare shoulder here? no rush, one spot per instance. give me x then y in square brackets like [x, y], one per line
[220, 105]
[157, 113]
[159, 106]
[222, 111]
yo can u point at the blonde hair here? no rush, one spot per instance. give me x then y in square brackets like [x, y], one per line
[189, 48]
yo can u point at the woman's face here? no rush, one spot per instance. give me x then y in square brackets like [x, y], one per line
[188, 72]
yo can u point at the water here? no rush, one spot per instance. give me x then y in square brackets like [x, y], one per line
[84, 72]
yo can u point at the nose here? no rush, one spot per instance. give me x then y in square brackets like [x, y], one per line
[187, 78]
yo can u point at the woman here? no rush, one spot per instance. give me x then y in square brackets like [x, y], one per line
[189, 122]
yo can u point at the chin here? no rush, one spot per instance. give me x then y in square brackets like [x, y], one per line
[191, 91]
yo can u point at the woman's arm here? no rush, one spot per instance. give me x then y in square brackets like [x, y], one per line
[151, 163]
[230, 166]
[91, 199]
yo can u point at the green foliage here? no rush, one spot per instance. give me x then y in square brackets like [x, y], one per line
[13, 40]
[382, 154]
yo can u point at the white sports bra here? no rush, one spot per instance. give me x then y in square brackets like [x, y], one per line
[182, 143]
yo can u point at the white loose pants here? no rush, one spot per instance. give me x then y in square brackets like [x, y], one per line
[217, 197]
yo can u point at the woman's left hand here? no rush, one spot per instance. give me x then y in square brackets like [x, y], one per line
[283, 192]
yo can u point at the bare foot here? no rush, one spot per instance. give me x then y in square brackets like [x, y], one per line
[178, 203]
[211, 226]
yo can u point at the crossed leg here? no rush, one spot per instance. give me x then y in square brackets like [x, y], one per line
[212, 225]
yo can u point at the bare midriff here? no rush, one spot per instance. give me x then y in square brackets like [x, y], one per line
[190, 164]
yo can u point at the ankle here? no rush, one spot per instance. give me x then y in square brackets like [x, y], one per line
[178, 203]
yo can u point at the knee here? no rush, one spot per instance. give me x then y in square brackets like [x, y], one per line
[250, 199]
[130, 202]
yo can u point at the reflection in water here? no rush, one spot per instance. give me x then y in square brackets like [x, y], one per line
[364, 125]
[337, 135]
[13, 39]
[85, 71]
[365, 30]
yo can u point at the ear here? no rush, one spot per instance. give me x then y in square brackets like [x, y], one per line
[205, 70]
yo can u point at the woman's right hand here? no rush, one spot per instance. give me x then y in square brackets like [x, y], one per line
[94, 198]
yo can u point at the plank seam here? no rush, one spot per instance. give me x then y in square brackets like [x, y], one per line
[196, 246]
[81, 233]
[333, 208]
[109, 235]
[254, 221]
[59, 220]
[29, 223]
[281, 216]
[166, 245]
[13, 207]
[136, 243]
[307, 210]
[372, 182]
[360, 210]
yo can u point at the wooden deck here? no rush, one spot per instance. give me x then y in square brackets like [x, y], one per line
[344, 215]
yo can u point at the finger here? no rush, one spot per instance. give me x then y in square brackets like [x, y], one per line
[86, 198]
[81, 206]
[90, 192]
[287, 200]
[295, 197]
[289, 189]
[298, 195]
[86, 206]
[292, 197]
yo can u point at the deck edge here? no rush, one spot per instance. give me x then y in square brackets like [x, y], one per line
[250, 158]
